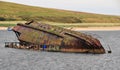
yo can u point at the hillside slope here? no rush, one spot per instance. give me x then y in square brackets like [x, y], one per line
[12, 11]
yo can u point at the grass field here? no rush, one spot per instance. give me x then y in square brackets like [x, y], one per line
[12, 12]
[86, 24]
[13, 23]
[7, 25]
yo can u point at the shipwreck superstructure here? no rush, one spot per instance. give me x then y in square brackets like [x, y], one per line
[40, 36]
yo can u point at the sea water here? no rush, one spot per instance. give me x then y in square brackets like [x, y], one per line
[17, 59]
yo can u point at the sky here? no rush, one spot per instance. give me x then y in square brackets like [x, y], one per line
[109, 7]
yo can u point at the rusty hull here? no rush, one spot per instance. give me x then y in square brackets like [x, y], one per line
[56, 38]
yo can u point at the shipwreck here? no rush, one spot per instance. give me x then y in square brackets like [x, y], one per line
[40, 36]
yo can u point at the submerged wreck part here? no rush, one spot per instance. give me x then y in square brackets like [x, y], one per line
[40, 36]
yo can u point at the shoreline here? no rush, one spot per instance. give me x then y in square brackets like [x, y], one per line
[85, 28]
[3, 28]
[96, 29]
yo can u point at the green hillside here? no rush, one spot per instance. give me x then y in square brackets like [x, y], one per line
[11, 11]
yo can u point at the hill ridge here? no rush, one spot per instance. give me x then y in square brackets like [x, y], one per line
[12, 11]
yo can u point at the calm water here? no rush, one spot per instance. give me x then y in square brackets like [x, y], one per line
[16, 59]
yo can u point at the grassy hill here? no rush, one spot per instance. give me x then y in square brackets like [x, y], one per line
[12, 12]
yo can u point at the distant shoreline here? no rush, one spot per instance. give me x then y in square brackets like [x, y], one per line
[3, 28]
[96, 29]
[85, 28]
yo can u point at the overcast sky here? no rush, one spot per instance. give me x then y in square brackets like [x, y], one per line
[111, 7]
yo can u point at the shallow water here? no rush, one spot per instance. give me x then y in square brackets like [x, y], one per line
[16, 59]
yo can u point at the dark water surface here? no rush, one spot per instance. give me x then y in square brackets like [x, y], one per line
[16, 59]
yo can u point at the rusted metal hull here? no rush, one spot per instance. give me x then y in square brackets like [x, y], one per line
[51, 38]
[52, 49]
